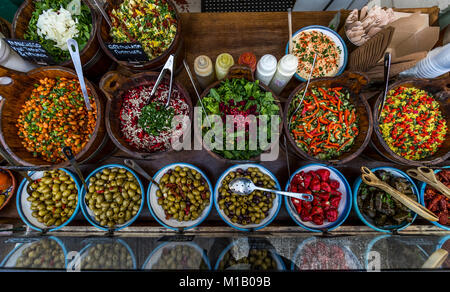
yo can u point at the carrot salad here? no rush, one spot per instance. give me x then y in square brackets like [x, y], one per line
[55, 116]
[326, 124]
[306, 44]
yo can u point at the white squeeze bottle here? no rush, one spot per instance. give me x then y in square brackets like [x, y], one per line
[266, 68]
[286, 68]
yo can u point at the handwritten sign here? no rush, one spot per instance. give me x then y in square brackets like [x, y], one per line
[129, 52]
[31, 50]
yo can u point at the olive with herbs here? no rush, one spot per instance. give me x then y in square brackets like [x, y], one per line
[114, 196]
[184, 194]
[252, 208]
[256, 260]
[54, 198]
[43, 254]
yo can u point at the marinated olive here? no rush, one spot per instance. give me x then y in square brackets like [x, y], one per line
[43, 254]
[250, 209]
[256, 260]
[54, 198]
[114, 196]
[180, 257]
[184, 194]
[107, 256]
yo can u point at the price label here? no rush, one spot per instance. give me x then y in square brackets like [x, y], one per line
[31, 51]
[129, 52]
[177, 238]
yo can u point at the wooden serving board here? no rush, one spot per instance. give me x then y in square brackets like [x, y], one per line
[236, 33]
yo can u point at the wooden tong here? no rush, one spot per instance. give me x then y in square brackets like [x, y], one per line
[436, 259]
[427, 175]
[371, 179]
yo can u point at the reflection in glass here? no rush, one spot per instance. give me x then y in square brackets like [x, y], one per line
[177, 256]
[113, 255]
[397, 252]
[248, 254]
[324, 254]
[47, 253]
[445, 245]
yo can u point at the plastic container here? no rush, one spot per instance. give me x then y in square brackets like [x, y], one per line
[223, 64]
[248, 59]
[204, 71]
[266, 68]
[436, 63]
[286, 68]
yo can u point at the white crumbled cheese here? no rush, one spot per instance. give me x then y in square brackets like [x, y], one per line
[57, 26]
[74, 7]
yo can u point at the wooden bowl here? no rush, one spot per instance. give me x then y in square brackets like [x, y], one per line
[237, 72]
[5, 28]
[353, 82]
[176, 48]
[12, 189]
[92, 56]
[115, 85]
[14, 96]
[439, 88]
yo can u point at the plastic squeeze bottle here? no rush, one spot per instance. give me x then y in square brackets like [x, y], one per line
[266, 68]
[223, 63]
[204, 70]
[286, 68]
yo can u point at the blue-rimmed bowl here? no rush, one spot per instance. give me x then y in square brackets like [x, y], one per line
[89, 215]
[345, 205]
[11, 259]
[335, 37]
[156, 254]
[91, 243]
[369, 222]
[23, 206]
[158, 212]
[237, 244]
[276, 205]
[350, 258]
[422, 200]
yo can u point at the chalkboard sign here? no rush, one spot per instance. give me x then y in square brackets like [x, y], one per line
[31, 50]
[129, 52]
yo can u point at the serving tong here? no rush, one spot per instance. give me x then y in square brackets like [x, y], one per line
[427, 176]
[169, 67]
[369, 178]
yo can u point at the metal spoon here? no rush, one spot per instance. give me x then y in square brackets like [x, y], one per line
[67, 151]
[130, 163]
[244, 186]
[304, 90]
[75, 55]
[30, 181]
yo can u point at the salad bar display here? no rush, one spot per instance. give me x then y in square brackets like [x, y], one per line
[192, 160]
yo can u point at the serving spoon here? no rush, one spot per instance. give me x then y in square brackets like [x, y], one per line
[369, 178]
[75, 55]
[130, 163]
[427, 175]
[244, 186]
[67, 151]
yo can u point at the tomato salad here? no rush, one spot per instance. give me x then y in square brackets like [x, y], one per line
[149, 128]
[326, 124]
[325, 192]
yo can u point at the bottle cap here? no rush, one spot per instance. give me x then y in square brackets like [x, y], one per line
[267, 64]
[203, 65]
[288, 64]
[225, 60]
